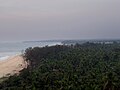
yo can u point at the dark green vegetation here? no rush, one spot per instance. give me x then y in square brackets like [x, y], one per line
[81, 67]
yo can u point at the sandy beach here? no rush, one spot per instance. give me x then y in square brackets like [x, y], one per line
[12, 66]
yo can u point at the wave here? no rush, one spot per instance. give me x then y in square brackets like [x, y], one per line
[4, 58]
[53, 44]
[6, 55]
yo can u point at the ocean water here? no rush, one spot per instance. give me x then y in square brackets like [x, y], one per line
[8, 49]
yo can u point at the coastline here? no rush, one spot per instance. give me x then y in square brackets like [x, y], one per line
[11, 61]
[12, 65]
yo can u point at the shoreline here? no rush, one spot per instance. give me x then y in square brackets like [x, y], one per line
[12, 65]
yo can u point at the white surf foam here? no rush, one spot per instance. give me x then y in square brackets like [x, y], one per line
[4, 58]
[59, 43]
[6, 55]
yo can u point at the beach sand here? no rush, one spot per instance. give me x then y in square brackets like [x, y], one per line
[12, 66]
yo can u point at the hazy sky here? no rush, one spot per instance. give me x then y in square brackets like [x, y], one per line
[59, 19]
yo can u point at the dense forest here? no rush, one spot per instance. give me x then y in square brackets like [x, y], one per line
[87, 66]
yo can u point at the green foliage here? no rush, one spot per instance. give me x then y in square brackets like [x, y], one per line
[76, 67]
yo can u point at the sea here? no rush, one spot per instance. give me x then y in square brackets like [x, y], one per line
[8, 49]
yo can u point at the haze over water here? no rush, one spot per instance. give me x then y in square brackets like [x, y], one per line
[59, 19]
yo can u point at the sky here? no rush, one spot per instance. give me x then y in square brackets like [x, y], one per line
[22, 20]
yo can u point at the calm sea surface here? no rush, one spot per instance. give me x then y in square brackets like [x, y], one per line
[8, 49]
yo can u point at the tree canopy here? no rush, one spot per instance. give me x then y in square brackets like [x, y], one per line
[88, 66]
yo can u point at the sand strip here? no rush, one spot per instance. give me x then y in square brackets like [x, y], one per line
[12, 66]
